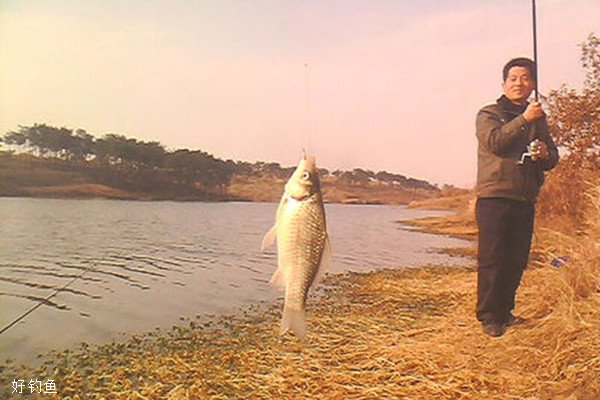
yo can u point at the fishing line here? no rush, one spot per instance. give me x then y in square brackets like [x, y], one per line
[41, 302]
[308, 133]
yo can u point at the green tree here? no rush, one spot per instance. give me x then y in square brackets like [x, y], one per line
[115, 149]
[82, 144]
[150, 154]
[193, 167]
[15, 138]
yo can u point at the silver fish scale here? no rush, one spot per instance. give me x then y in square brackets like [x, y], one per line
[301, 239]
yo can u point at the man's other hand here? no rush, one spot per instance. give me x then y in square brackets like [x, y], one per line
[543, 152]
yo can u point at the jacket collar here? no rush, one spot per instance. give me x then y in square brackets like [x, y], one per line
[510, 107]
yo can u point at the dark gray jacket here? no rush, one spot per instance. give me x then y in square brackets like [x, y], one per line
[503, 136]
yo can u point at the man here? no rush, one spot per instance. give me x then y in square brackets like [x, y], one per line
[507, 190]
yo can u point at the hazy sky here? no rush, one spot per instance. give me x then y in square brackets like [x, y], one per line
[391, 85]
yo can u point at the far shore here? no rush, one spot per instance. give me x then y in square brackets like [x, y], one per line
[25, 175]
[263, 190]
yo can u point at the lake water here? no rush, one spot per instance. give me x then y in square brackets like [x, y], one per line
[146, 264]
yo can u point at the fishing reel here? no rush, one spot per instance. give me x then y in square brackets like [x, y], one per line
[533, 151]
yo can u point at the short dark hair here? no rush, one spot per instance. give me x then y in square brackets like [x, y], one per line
[520, 62]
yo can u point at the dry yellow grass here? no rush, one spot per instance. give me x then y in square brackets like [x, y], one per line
[256, 189]
[455, 200]
[391, 334]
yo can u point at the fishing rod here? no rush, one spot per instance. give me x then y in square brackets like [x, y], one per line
[533, 148]
[535, 56]
[43, 301]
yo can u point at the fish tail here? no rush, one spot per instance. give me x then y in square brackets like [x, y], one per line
[295, 321]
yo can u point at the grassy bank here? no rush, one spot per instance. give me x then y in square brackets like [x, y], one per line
[389, 334]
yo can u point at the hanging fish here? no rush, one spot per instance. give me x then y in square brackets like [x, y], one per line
[303, 248]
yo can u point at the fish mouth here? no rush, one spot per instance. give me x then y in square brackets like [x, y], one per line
[310, 162]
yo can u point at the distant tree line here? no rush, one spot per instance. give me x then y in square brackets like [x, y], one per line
[361, 176]
[135, 164]
[122, 154]
[357, 176]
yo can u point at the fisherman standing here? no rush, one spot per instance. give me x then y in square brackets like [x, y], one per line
[508, 183]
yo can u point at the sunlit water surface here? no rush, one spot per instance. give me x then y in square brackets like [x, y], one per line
[133, 266]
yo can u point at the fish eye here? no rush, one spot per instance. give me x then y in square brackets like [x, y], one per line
[306, 176]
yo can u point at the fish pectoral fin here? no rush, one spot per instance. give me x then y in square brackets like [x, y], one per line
[326, 258]
[269, 238]
[278, 280]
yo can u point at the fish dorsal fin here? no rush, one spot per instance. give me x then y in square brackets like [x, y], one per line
[326, 258]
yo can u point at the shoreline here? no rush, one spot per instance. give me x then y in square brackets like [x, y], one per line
[250, 328]
[188, 200]
[405, 333]
[128, 196]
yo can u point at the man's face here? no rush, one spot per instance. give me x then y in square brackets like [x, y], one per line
[518, 85]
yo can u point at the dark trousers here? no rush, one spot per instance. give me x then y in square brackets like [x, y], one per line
[505, 230]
